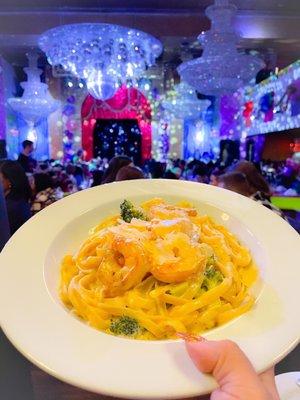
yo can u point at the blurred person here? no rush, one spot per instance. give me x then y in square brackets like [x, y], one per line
[256, 181]
[156, 169]
[65, 183]
[238, 182]
[177, 171]
[78, 175]
[97, 177]
[25, 160]
[180, 164]
[71, 171]
[214, 176]
[86, 176]
[201, 173]
[4, 224]
[78, 156]
[129, 173]
[169, 174]
[115, 164]
[17, 193]
[45, 194]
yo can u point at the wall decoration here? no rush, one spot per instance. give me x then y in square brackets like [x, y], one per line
[128, 103]
[273, 105]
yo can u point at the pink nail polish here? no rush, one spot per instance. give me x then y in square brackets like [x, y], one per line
[189, 337]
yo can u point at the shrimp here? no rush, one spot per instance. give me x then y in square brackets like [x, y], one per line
[176, 258]
[160, 228]
[124, 267]
[158, 208]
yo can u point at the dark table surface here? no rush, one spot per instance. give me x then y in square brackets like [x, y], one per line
[21, 380]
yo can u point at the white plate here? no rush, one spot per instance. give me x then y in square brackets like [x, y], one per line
[35, 321]
[288, 385]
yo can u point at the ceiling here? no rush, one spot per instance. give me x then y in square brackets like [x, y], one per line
[270, 26]
[156, 5]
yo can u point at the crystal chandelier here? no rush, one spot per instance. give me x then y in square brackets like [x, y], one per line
[221, 69]
[104, 55]
[36, 101]
[182, 102]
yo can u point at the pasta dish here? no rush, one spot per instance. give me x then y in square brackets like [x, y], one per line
[158, 269]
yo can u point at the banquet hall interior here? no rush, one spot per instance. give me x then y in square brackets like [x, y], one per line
[93, 92]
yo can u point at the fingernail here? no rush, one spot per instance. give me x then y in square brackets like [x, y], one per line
[189, 337]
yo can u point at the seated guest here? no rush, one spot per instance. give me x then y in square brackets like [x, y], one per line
[97, 176]
[71, 171]
[257, 183]
[128, 173]
[44, 192]
[4, 224]
[27, 162]
[214, 176]
[201, 173]
[238, 182]
[169, 174]
[156, 169]
[115, 164]
[17, 193]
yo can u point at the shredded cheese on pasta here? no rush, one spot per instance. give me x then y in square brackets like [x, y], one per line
[177, 271]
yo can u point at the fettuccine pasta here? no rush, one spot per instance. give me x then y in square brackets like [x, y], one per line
[148, 273]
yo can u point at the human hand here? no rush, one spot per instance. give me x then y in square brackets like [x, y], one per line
[232, 370]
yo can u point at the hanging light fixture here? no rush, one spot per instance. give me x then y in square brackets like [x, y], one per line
[221, 69]
[104, 55]
[36, 101]
[182, 102]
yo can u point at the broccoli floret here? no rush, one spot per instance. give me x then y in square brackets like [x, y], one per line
[124, 326]
[210, 261]
[128, 211]
[212, 278]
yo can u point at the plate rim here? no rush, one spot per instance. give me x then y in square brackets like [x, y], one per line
[38, 219]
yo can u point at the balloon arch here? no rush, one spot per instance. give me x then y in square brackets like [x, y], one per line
[128, 103]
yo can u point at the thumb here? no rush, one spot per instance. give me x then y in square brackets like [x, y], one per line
[229, 366]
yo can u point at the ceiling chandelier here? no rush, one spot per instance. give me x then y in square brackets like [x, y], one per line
[221, 69]
[104, 55]
[182, 102]
[36, 101]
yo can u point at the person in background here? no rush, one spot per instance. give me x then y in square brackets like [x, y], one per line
[97, 176]
[115, 164]
[170, 174]
[214, 176]
[86, 176]
[4, 224]
[201, 173]
[238, 182]
[71, 171]
[78, 157]
[156, 169]
[25, 160]
[44, 192]
[129, 173]
[17, 193]
[258, 185]
[78, 175]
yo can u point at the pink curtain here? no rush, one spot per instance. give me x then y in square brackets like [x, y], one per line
[126, 104]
